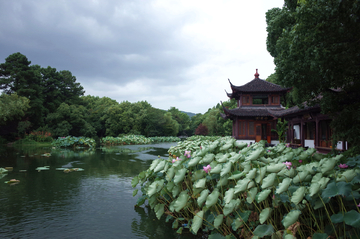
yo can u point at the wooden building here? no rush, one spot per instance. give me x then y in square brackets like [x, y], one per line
[258, 109]
[252, 120]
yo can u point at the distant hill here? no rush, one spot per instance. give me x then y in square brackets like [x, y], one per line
[189, 114]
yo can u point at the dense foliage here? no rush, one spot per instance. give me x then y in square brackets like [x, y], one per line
[226, 188]
[315, 45]
[44, 99]
[136, 139]
[74, 142]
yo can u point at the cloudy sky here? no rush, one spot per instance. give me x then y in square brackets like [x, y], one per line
[169, 53]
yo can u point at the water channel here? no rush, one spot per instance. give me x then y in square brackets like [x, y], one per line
[94, 203]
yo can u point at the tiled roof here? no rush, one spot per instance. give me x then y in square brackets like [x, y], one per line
[258, 85]
[293, 110]
[251, 111]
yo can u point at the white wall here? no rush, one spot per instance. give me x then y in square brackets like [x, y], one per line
[309, 143]
[296, 131]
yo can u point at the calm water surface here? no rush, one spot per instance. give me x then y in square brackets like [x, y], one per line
[95, 203]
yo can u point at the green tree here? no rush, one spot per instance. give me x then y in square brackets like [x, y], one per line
[12, 107]
[315, 45]
[182, 118]
[16, 76]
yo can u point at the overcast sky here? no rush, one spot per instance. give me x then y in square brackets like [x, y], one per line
[169, 53]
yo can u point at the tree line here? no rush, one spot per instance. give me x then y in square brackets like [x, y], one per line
[34, 98]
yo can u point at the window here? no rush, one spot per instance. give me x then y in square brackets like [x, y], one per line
[274, 100]
[260, 100]
[325, 130]
[246, 100]
[242, 128]
[310, 130]
[251, 128]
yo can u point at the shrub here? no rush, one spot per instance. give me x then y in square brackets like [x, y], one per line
[75, 142]
[202, 130]
[233, 189]
[40, 136]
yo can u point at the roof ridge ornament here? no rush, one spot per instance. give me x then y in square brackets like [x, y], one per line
[256, 74]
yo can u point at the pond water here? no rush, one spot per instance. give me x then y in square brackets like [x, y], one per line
[94, 203]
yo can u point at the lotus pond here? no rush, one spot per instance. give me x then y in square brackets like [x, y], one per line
[94, 202]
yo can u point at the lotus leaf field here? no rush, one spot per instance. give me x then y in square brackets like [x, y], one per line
[225, 189]
[136, 139]
[75, 142]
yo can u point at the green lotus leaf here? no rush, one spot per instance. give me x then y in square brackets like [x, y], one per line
[218, 220]
[268, 181]
[310, 151]
[251, 194]
[217, 169]
[229, 194]
[197, 222]
[290, 173]
[314, 189]
[283, 173]
[265, 214]
[213, 146]
[235, 158]
[223, 158]
[254, 154]
[159, 210]
[261, 196]
[263, 230]
[337, 218]
[237, 175]
[291, 218]
[200, 183]
[318, 156]
[165, 168]
[142, 175]
[62, 169]
[251, 174]
[179, 175]
[229, 207]
[316, 178]
[2, 170]
[277, 235]
[240, 145]
[333, 189]
[170, 174]
[298, 195]
[176, 190]
[328, 165]
[287, 150]
[154, 164]
[289, 236]
[300, 177]
[352, 218]
[323, 182]
[242, 185]
[155, 187]
[280, 147]
[284, 185]
[347, 175]
[212, 198]
[275, 168]
[318, 235]
[198, 175]
[208, 158]
[226, 146]
[42, 168]
[170, 185]
[203, 196]
[303, 155]
[194, 161]
[226, 169]
[160, 166]
[152, 201]
[134, 181]
[246, 166]
[181, 201]
[196, 191]
[175, 224]
[223, 181]
[260, 174]
[245, 150]
[237, 223]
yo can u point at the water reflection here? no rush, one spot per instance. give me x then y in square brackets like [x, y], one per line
[94, 203]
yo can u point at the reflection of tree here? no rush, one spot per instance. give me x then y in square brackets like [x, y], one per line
[149, 226]
[69, 153]
[112, 149]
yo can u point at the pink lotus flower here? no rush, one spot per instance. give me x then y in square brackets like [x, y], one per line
[358, 205]
[178, 159]
[269, 151]
[343, 166]
[187, 154]
[174, 160]
[288, 164]
[287, 145]
[207, 168]
[300, 161]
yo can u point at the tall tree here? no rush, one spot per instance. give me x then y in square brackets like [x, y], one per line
[315, 45]
[16, 76]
